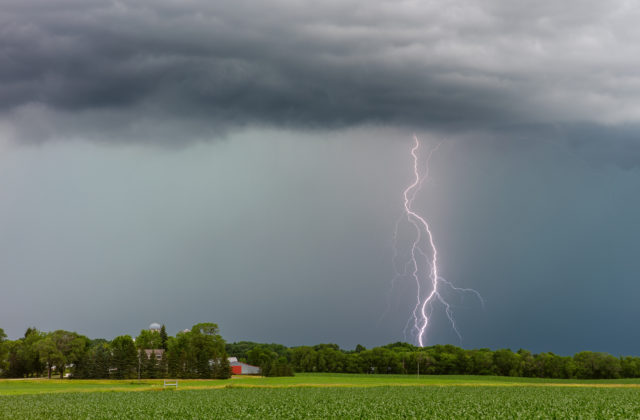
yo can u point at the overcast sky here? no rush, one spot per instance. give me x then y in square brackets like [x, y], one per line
[243, 163]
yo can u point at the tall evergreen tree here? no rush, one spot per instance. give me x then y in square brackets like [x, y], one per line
[163, 366]
[103, 359]
[149, 365]
[163, 337]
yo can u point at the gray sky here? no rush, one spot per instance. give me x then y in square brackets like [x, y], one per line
[243, 163]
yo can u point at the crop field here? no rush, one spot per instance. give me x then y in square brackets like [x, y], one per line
[323, 396]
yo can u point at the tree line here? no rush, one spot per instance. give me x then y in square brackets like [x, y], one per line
[404, 358]
[196, 353]
[202, 353]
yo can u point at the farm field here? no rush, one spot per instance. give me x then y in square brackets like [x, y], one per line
[384, 402]
[323, 396]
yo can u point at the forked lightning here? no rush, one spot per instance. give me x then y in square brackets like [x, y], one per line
[423, 263]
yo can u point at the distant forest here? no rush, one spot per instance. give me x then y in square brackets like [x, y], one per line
[202, 353]
[404, 358]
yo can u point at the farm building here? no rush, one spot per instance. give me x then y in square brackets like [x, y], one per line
[156, 352]
[239, 368]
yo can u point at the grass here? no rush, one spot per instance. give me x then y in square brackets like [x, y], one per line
[316, 380]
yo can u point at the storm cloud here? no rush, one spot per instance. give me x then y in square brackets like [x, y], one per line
[183, 70]
[284, 231]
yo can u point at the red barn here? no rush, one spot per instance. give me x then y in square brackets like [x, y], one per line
[239, 368]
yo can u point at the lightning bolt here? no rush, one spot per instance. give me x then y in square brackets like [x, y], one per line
[422, 266]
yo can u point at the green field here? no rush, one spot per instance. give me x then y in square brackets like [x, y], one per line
[323, 396]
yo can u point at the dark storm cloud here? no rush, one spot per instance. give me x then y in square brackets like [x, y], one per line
[188, 69]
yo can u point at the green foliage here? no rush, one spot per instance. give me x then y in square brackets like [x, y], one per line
[49, 353]
[202, 353]
[71, 346]
[196, 354]
[206, 328]
[597, 365]
[304, 359]
[450, 360]
[162, 370]
[269, 362]
[149, 365]
[506, 363]
[124, 357]
[163, 337]
[630, 367]
[149, 340]
[261, 356]
[23, 357]
[221, 368]
[279, 367]
[242, 348]
[95, 362]
[4, 351]
[199, 353]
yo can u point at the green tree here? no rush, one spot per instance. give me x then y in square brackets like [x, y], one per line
[70, 345]
[593, 365]
[381, 360]
[4, 351]
[49, 354]
[418, 361]
[149, 365]
[353, 363]
[240, 349]
[304, 359]
[527, 363]
[199, 353]
[279, 367]
[262, 357]
[209, 350]
[163, 364]
[507, 363]
[331, 360]
[102, 360]
[449, 360]
[14, 367]
[222, 368]
[203, 352]
[549, 365]
[481, 362]
[94, 362]
[163, 337]
[24, 356]
[124, 357]
[630, 367]
[148, 340]
[179, 356]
